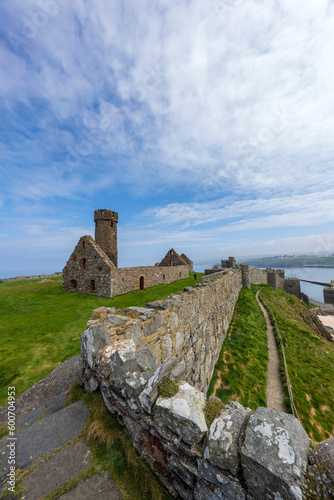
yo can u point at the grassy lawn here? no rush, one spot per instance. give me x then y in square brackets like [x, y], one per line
[41, 324]
[310, 360]
[241, 370]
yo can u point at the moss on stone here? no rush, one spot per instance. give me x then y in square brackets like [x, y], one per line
[212, 410]
[168, 388]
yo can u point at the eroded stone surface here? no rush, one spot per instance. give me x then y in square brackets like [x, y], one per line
[123, 363]
[321, 470]
[104, 356]
[150, 394]
[183, 413]
[274, 455]
[91, 341]
[222, 447]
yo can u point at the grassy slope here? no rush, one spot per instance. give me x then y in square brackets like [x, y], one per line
[243, 361]
[41, 324]
[310, 361]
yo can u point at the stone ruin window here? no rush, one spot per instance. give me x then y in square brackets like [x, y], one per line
[141, 283]
[180, 275]
[163, 276]
[73, 284]
[171, 253]
[102, 212]
[100, 268]
[111, 224]
[83, 243]
[84, 263]
[92, 286]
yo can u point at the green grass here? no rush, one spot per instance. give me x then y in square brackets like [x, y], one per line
[41, 325]
[310, 360]
[113, 451]
[241, 370]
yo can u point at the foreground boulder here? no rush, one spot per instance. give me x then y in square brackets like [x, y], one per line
[274, 455]
[223, 441]
[183, 414]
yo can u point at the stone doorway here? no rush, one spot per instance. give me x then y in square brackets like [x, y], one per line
[141, 283]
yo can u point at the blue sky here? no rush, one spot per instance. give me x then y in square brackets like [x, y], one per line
[207, 125]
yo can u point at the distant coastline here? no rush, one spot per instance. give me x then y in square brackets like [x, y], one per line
[293, 261]
[35, 276]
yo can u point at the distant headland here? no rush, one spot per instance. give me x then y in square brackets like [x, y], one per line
[292, 261]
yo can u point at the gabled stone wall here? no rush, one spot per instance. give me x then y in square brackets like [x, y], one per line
[88, 269]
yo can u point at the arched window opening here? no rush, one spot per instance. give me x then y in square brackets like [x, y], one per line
[141, 283]
[83, 244]
[163, 276]
[84, 263]
[92, 285]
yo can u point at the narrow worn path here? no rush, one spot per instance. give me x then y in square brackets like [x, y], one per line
[275, 392]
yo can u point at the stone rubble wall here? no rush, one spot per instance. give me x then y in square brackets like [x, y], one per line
[241, 454]
[126, 279]
[190, 326]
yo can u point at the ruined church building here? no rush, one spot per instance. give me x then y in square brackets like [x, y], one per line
[93, 266]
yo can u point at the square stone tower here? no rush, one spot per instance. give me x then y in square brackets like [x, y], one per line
[106, 232]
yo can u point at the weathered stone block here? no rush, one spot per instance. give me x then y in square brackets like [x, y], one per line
[103, 358]
[157, 305]
[149, 395]
[91, 341]
[183, 414]
[116, 320]
[123, 363]
[321, 471]
[136, 383]
[274, 455]
[222, 445]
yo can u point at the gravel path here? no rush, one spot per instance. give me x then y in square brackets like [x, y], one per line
[275, 392]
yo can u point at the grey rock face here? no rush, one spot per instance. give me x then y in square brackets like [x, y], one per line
[150, 394]
[115, 320]
[222, 446]
[183, 414]
[188, 289]
[227, 484]
[91, 341]
[124, 363]
[92, 384]
[321, 470]
[135, 384]
[274, 455]
[157, 305]
[145, 312]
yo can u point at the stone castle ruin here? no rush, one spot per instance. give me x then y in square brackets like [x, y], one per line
[93, 265]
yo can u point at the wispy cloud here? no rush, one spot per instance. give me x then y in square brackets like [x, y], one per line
[190, 112]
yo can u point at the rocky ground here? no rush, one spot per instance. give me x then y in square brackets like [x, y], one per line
[50, 451]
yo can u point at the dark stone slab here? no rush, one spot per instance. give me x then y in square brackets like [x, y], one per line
[56, 382]
[55, 404]
[57, 470]
[30, 417]
[51, 432]
[96, 486]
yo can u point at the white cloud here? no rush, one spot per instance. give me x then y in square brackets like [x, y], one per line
[249, 90]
